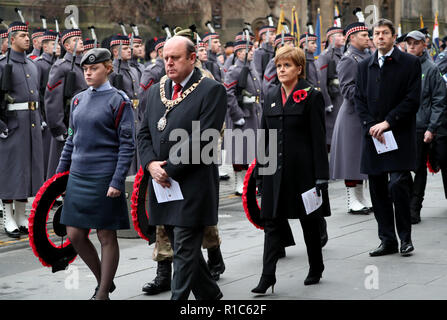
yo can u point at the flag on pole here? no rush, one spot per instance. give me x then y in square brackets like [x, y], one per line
[422, 22]
[295, 26]
[337, 21]
[318, 34]
[435, 41]
[280, 21]
[399, 31]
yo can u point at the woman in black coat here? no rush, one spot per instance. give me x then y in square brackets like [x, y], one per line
[296, 111]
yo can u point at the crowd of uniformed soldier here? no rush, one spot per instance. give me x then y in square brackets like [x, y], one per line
[36, 95]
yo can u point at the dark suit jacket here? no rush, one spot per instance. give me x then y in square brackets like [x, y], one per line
[302, 155]
[389, 93]
[199, 182]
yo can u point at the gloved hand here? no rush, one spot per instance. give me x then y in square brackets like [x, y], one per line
[60, 138]
[43, 125]
[321, 185]
[329, 108]
[4, 134]
[248, 100]
[240, 122]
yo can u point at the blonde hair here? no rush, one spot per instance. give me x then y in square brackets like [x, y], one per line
[296, 55]
[108, 64]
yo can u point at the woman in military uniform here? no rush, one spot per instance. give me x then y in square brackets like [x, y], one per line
[98, 153]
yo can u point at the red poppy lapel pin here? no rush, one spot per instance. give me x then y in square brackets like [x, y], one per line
[300, 95]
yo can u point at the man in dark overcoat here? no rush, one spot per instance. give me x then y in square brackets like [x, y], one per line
[182, 97]
[387, 97]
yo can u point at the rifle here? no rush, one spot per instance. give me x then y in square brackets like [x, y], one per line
[243, 96]
[6, 87]
[69, 87]
[118, 81]
[44, 27]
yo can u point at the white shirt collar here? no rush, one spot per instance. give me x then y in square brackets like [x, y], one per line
[183, 83]
[386, 55]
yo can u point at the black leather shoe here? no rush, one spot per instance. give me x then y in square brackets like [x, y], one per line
[23, 230]
[406, 248]
[415, 219]
[112, 288]
[15, 234]
[265, 282]
[312, 278]
[383, 249]
[162, 282]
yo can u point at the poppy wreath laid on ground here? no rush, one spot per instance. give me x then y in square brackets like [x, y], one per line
[249, 201]
[50, 255]
[140, 215]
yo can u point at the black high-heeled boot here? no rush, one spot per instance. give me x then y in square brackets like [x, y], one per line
[313, 277]
[264, 283]
[112, 288]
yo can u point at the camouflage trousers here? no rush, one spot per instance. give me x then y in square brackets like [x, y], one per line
[163, 250]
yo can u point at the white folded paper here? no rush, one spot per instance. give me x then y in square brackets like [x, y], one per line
[311, 200]
[390, 143]
[167, 194]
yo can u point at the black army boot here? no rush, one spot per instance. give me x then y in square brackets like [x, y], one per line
[215, 262]
[162, 282]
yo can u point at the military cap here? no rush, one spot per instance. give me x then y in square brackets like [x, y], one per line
[119, 38]
[17, 26]
[416, 35]
[424, 31]
[70, 33]
[137, 39]
[240, 36]
[229, 44]
[333, 30]
[401, 38]
[201, 44]
[90, 44]
[96, 55]
[49, 35]
[310, 37]
[264, 29]
[207, 36]
[242, 45]
[444, 39]
[355, 27]
[37, 32]
[160, 43]
[3, 33]
[287, 37]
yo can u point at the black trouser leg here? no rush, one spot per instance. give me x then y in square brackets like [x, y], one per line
[191, 272]
[420, 178]
[272, 245]
[311, 232]
[400, 190]
[383, 208]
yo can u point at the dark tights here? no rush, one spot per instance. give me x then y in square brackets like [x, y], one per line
[104, 270]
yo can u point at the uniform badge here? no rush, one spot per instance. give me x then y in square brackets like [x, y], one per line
[91, 58]
[70, 131]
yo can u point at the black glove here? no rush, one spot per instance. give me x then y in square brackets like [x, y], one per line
[321, 185]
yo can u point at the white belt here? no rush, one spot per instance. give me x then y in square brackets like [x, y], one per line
[31, 105]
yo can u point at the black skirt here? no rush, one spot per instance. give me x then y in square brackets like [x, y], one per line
[87, 206]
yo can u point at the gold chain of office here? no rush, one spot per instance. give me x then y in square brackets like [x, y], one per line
[170, 104]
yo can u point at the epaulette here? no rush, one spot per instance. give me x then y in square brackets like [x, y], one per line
[123, 94]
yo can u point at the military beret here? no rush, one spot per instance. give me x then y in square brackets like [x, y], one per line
[229, 44]
[416, 35]
[333, 30]
[96, 55]
[242, 45]
[37, 32]
[401, 38]
[49, 35]
[264, 29]
[355, 27]
[119, 38]
[287, 37]
[90, 44]
[17, 26]
[70, 33]
[3, 33]
[310, 37]
[159, 43]
[424, 31]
